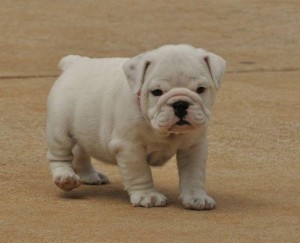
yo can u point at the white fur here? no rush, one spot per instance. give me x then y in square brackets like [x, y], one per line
[103, 108]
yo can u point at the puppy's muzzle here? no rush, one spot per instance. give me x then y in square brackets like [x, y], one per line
[180, 110]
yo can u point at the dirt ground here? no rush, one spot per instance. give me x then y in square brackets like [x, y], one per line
[254, 145]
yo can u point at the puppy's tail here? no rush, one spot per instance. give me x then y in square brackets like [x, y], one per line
[67, 61]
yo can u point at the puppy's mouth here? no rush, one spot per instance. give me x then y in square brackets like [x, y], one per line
[181, 126]
[183, 122]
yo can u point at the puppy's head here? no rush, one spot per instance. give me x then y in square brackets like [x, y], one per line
[176, 86]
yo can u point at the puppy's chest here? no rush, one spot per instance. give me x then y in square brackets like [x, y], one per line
[158, 154]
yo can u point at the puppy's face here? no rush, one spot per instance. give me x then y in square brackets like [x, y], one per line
[177, 89]
[178, 108]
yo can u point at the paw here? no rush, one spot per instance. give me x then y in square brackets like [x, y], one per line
[199, 201]
[93, 178]
[148, 199]
[67, 182]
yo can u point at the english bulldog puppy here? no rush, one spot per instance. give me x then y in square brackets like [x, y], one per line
[135, 112]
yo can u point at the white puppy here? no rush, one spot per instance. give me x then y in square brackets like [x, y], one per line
[136, 113]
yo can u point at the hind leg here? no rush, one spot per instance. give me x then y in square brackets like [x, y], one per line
[60, 157]
[84, 168]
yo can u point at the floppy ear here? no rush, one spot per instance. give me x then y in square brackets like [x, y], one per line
[135, 70]
[216, 66]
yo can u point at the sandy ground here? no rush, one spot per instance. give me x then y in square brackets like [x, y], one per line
[253, 167]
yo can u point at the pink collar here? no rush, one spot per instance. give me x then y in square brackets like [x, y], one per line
[138, 100]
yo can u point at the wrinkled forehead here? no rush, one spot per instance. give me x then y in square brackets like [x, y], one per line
[178, 69]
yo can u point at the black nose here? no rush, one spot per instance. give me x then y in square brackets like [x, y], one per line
[180, 108]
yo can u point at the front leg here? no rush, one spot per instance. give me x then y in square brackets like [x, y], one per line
[137, 178]
[191, 166]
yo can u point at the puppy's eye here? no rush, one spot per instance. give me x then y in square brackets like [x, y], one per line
[156, 92]
[200, 90]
